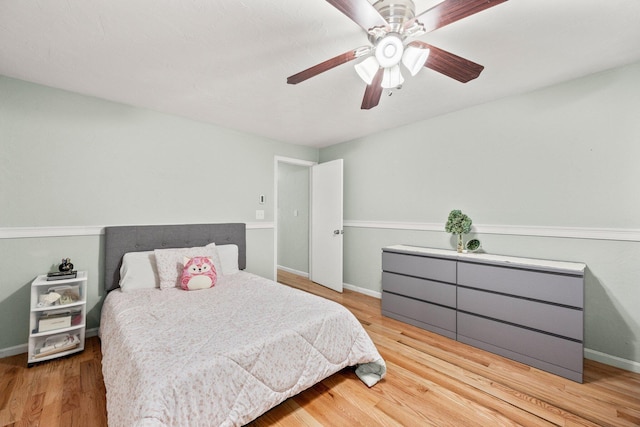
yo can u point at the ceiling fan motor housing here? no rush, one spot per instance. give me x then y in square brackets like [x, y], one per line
[396, 13]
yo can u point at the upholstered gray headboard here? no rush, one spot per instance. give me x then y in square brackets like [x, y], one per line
[122, 239]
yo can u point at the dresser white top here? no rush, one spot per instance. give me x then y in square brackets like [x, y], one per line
[576, 268]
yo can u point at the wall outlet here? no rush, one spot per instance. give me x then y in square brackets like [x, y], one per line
[259, 214]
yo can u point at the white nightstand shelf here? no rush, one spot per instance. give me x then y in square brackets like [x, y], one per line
[57, 319]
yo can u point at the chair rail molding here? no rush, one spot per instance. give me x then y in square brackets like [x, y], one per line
[617, 234]
[88, 230]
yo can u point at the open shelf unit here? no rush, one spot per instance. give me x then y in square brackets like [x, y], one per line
[57, 321]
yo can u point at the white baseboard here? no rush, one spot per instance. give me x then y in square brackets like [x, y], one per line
[293, 271]
[607, 359]
[12, 351]
[23, 348]
[354, 288]
[363, 291]
[92, 332]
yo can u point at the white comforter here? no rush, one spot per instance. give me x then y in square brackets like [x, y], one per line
[225, 355]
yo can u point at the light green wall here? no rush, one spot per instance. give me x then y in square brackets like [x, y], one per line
[72, 160]
[23, 259]
[565, 156]
[293, 231]
[67, 159]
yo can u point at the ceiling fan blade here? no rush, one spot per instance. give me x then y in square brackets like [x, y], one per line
[450, 11]
[327, 65]
[449, 64]
[361, 12]
[373, 92]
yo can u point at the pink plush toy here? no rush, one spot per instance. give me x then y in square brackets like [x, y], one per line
[198, 273]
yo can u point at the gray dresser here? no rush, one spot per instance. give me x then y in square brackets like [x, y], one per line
[528, 310]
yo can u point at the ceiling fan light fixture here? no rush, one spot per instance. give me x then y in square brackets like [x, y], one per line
[389, 24]
[392, 77]
[389, 51]
[414, 58]
[367, 69]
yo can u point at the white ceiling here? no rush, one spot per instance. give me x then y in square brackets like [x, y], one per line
[226, 61]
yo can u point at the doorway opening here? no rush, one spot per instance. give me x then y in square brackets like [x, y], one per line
[292, 215]
[308, 220]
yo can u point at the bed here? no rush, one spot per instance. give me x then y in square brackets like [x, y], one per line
[220, 356]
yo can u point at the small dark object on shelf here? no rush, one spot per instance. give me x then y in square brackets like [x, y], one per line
[65, 265]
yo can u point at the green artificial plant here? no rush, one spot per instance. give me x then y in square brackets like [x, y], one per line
[459, 224]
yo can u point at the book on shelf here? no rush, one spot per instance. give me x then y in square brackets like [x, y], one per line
[61, 275]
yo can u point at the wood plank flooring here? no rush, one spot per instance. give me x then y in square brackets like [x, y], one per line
[62, 392]
[431, 381]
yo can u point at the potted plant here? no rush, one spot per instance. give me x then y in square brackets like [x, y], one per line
[459, 224]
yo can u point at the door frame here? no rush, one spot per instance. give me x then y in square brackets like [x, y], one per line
[276, 161]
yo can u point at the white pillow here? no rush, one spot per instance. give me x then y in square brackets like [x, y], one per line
[169, 263]
[228, 258]
[138, 271]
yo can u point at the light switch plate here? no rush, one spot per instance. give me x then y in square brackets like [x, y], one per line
[259, 214]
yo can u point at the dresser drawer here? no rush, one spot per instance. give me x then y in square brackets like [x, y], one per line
[547, 348]
[567, 322]
[443, 270]
[423, 289]
[425, 313]
[551, 287]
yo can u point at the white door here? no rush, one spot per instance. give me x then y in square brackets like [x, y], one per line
[325, 266]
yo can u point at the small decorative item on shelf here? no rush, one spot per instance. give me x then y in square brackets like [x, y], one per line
[65, 265]
[65, 271]
[473, 245]
[459, 224]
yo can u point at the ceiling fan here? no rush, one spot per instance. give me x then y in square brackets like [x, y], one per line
[391, 26]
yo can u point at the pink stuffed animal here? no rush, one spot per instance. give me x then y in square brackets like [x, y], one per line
[198, 273]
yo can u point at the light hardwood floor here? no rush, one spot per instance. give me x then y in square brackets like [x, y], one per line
[431, 381]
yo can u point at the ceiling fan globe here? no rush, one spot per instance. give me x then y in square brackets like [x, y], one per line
[367, 69]
[389, 50]
[392, 78]
[414, 58]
